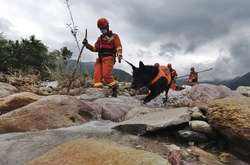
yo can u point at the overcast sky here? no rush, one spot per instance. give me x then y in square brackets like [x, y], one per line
[200, 33]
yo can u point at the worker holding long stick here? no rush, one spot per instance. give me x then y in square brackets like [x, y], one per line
[109, 47]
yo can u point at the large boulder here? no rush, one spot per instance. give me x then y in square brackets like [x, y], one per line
[200, 95]
[115, 109]
[93, 152]
[154, 121]
[19, 148]
[17, 100]
[244, 90]
[47, 113]
[230, 117]
[6, 89]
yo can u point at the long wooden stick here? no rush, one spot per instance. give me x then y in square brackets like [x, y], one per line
[77, 62]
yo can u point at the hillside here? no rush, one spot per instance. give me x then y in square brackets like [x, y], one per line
[232, 83]
[88, 67]
[238, 81]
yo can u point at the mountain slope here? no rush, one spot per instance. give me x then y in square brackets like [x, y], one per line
[88, 67]
[238, 81]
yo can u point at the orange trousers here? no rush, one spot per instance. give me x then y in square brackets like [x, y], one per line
[103, 71]
[173, 85]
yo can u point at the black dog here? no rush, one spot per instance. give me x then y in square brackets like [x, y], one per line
[143, 77]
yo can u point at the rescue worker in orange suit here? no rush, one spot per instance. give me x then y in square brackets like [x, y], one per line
[173, 76]
[165, 70]
[193, 76]
[108, 46]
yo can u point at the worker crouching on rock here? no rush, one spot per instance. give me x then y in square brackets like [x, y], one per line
[193, 77]
[108, 46]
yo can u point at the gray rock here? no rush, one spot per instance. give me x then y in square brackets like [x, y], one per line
[17, 100]
[19, 148]
[196, 114]
[205, 157]
[199, 95]
[137, 111]
[49, 112]
[193, 136]
[92, 94]
[154, 121]
[115, 109]
[201, 126]
[6, 89]
[244, 90]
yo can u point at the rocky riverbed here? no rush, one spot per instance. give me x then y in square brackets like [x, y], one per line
[205, 124]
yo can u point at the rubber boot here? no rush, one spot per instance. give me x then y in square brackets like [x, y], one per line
[115, 91]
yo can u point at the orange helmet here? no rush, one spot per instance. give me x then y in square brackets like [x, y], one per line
[169, 66]
[157, 65]
[102, 23]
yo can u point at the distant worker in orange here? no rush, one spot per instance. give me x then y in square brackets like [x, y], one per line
[108, 46]
[173, 76]
[193, 76]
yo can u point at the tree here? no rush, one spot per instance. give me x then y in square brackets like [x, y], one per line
[30, 55]
[66, 53]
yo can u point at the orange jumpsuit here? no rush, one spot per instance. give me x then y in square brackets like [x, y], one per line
[193, 77]
[173, 76]
[107, 46]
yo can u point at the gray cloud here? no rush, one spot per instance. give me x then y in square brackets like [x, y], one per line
[177, 27]
[240, 56]
[5, 25]
[169, 49]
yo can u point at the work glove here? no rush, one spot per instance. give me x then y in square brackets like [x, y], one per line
[85, 42]
[119, 56]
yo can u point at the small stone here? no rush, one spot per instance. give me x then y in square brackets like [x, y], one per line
[201, 126]
[192, 136]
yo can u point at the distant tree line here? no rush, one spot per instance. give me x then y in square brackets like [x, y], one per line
[30, 55]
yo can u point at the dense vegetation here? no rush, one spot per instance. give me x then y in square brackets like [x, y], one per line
[30, 56]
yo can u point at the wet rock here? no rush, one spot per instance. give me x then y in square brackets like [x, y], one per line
[47, 113]
[193, 136]
[89, 151]
[244, 90]
[201, 126]
[17, 100]
[230, 117]
[7, 89]
[154, 121]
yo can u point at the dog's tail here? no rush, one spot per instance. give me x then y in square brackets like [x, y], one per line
[129, 63]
